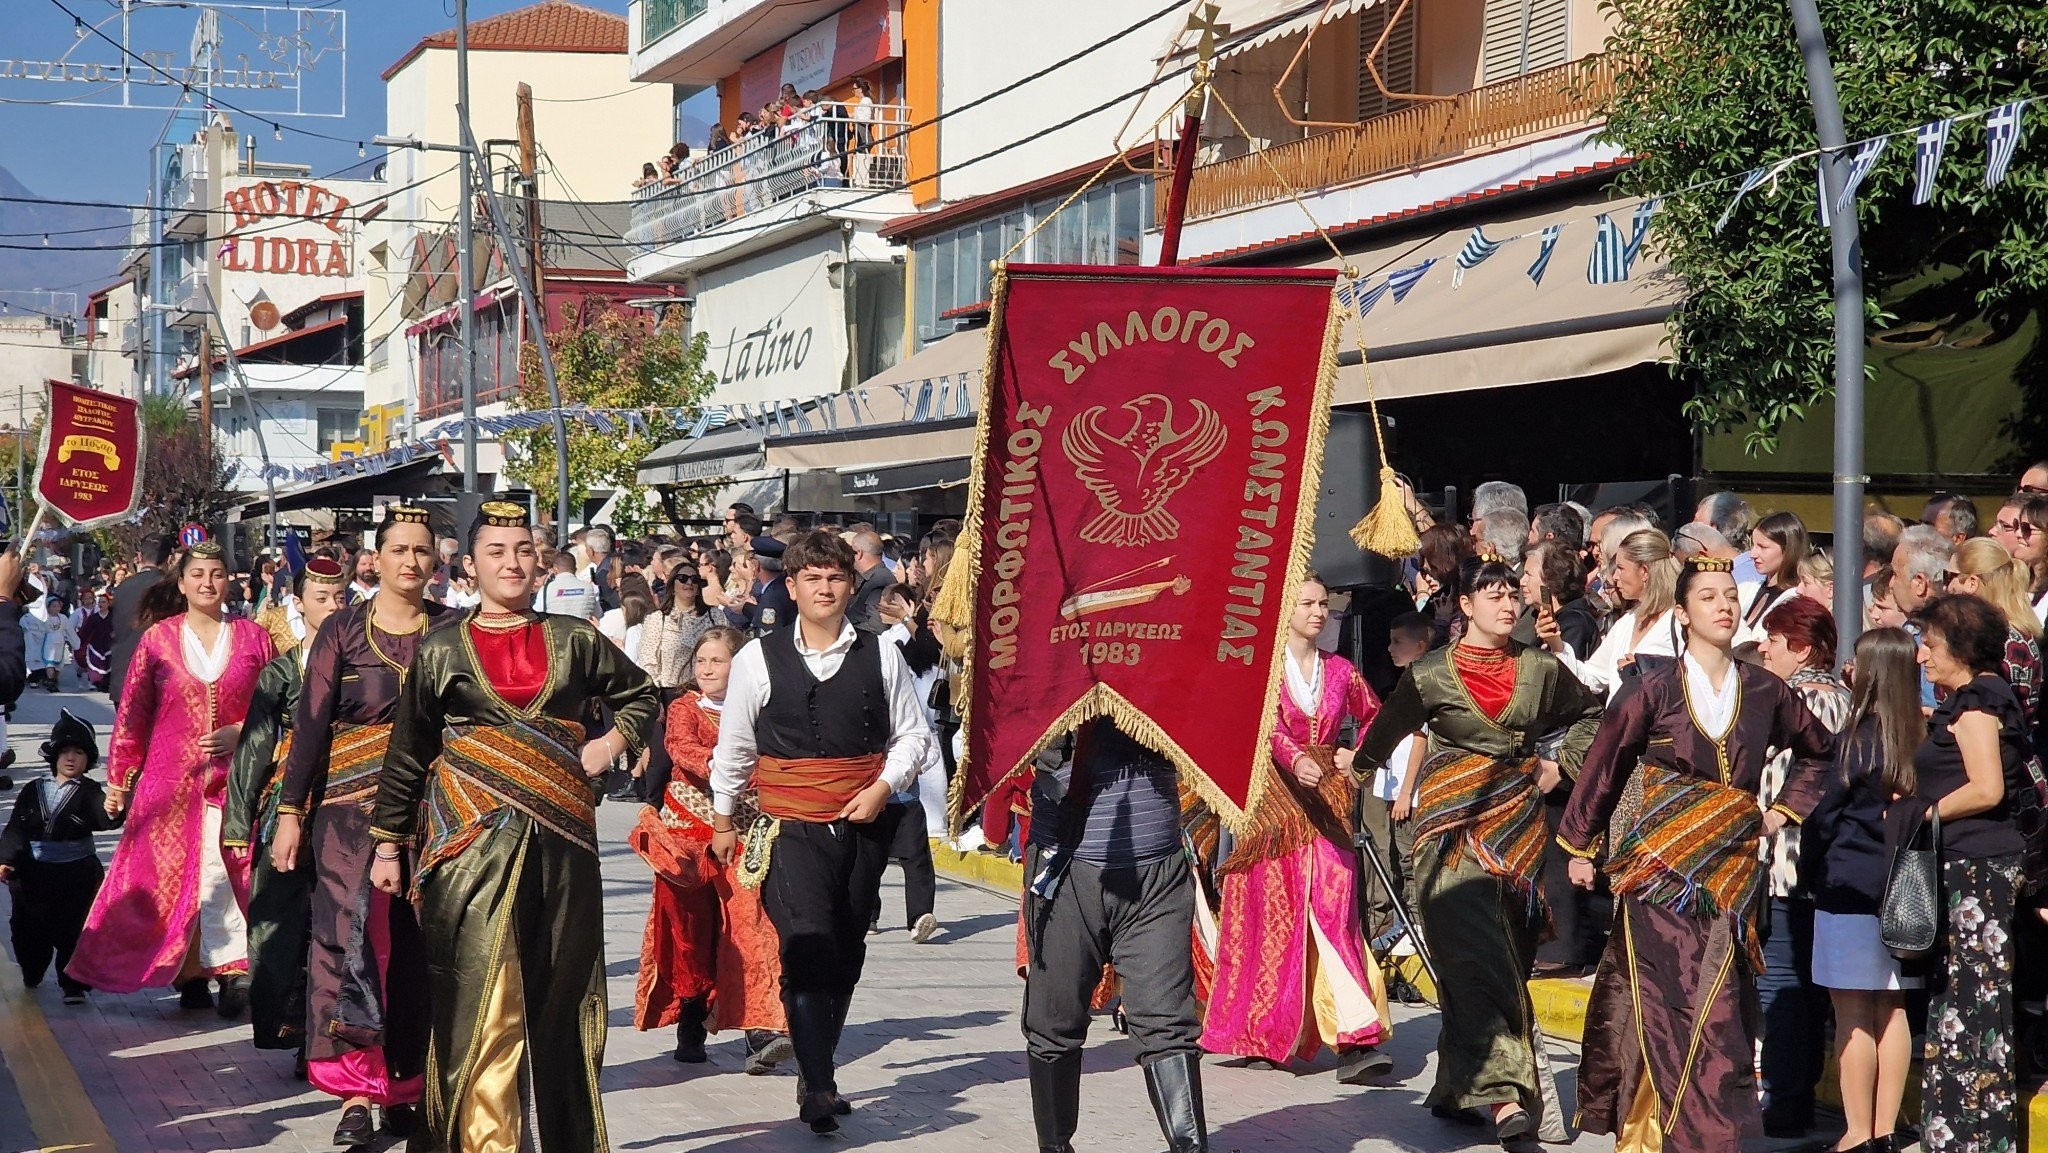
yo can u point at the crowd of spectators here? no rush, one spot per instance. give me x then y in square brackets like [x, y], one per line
[831, 140]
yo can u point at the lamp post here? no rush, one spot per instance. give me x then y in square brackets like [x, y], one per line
[1845, 247]
[529, 303]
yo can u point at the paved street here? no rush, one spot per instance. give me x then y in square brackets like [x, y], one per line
[932, 1057]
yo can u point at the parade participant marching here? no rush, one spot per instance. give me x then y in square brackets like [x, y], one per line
[173, 909]
[364, 978]
[1670, 1050]
[708, 958]
[280, 903]
[489, 777]
[824, 719]
[47, 856]
[1109, 885]
[1478, 811]
[1292, 970]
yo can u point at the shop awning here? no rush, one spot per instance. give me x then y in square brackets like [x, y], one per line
[1256, 23]
[722, 452]
[905, 476]
[921, 409]
[1500, 328]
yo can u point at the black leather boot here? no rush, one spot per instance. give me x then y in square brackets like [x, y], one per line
[811, 1018]
[690, 1031]
[1055, 1100]
[1174, 1082]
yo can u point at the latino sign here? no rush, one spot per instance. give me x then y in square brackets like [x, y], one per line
[91, 462]
[291, 227]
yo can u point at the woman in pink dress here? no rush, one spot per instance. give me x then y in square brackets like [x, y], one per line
[1292, 971]
[173, 909]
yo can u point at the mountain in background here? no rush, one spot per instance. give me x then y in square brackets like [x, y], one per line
[57, 268]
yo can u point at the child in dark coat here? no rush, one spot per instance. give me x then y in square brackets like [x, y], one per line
[47, 856]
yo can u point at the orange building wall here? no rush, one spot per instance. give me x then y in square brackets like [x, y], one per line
[921, 92]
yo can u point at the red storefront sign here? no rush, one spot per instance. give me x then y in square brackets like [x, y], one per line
[844, 44]
[1143, 502]
[90, 472]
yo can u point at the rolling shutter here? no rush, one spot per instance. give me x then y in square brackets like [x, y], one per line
[1396, 64]
[1523, 36]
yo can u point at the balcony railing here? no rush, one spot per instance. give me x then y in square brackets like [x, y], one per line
[861, 147]
[658, 18]
[1560, 97]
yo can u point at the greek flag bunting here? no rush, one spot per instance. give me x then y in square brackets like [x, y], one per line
[1542, 265]
[1347, 293]
[1639, 232]
[1860, 163]
[1477, 249]
[1929, 143]
[1820, 191]
[1404, 280]
[1371, 296]
[1750, 180]
[1609, 262]
[2002, 137]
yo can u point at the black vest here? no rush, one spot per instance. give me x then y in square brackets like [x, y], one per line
[847, 716]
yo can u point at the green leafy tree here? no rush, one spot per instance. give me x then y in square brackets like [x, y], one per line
[610, 356]
[179, 485]
[1711, 90]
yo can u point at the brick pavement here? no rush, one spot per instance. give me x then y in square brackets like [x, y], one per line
[932, 1059]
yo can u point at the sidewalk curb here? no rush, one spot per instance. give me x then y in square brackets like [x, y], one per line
[60, 1111]
[990, 871]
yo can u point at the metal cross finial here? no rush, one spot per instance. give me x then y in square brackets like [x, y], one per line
[1204, 21]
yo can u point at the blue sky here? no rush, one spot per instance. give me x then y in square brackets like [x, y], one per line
[101, 153]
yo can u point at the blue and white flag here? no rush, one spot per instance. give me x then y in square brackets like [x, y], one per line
[1929, 143]
[2002, 138]
[1403, 281]
[1861, 162]
[1371, 296]
[1347, 293]
[1750, 180]
[1609, 262]
[1542, 265]
[1820, 190]
[1477, 249]
[1639, 233]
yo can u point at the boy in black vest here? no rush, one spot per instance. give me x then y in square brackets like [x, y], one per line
[47, 856]
[825, 721]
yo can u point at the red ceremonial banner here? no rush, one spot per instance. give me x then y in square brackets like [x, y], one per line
[1142, 506]
[90, 471]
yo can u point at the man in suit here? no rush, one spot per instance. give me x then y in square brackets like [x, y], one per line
[873, 579]
[150, 556]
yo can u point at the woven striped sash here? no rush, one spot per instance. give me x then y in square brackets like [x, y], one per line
[353, 761]
[529, 765]
[1485, 808]
[266, 801]
[1693, 850]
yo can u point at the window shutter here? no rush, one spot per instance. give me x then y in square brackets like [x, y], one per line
[1396, 63]
[1523, 36]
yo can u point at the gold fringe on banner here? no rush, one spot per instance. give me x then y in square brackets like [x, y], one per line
[1387, 528]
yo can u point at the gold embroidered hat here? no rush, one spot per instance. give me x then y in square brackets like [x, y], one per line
[405, 514]
[503, 514]
[1704, 563]
[206, 550]
[325, 570]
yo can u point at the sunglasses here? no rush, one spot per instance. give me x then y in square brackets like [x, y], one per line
[2020, 528]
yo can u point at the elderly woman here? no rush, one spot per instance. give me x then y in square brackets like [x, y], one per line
[1970, 770]
[1799, 646]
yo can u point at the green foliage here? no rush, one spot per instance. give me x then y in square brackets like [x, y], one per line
[1712, 89]
[609, 356]
[177, 484]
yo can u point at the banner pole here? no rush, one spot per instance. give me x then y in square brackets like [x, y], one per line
[1204, 22]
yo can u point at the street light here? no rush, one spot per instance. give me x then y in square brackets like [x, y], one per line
[536, 323]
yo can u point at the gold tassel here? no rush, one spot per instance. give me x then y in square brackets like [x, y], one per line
[1387, 529]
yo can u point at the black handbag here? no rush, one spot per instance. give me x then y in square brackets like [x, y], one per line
[1910, 915]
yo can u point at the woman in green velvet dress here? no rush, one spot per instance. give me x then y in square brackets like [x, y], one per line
[489, 780]
[1477, 803]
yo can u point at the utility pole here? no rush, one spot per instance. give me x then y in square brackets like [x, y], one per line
[1846, 248]
[467, 251]
[206, 395]
[529, 170]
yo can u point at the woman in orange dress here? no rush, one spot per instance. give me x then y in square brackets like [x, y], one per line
[709, 959]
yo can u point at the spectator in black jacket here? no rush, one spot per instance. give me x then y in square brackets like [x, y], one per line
[13, 654]
[150, 556]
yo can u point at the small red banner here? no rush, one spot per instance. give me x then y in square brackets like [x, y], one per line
[1142, 504]
[90, 472]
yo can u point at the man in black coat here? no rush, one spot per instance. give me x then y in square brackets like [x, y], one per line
[150, 557]
[874, 580]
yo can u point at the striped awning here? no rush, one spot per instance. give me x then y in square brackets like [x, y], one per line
[1257, 23]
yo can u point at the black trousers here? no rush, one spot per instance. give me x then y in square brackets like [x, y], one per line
[1137, 918]
[50, 906]
[911, 850]
[824, 883]
[1582, 918]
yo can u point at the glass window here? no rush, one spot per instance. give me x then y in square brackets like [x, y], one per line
[921, 265]
[944, 253]
[336, 425]
[967, 275]
[1099, 239]
[1133, 198]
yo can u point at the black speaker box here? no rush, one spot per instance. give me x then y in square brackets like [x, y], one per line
[1350, 486]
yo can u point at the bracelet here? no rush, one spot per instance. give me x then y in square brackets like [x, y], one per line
[381, 855]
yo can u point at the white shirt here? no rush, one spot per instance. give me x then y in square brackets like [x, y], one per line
[569, 596]
[613, 625]
[1307, 691]
[1713, 708]
[736, 755]
[203, 663]
[1602, 670]
[1388, 779]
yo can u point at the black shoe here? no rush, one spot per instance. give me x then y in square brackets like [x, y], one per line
[691, 1054]
[398, 1120]
[1360, 1066]
[195, 995]
[234, 996]
[74, 996]
[299, 1066]
[1515, 1126]
[818, 1110]
[355, 1129]
[1174, 1082]
[1055, 1100]
[1784, 1130]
